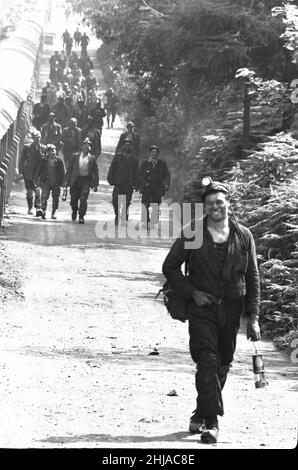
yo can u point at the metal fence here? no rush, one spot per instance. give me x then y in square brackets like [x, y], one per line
[19, 59]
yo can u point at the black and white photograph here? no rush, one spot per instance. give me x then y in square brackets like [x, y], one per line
[149, 228]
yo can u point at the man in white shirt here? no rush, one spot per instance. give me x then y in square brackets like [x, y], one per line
[81, 175]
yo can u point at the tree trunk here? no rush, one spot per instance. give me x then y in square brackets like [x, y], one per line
[246, 117]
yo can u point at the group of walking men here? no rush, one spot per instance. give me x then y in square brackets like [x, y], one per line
[45, 172]
[78, 39]
[151, 177]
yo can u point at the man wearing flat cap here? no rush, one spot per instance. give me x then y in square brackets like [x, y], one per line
[28, 166]
[123, 175]
[135, 141]
[50, 176]
[222, 283]
[154, 182]
[81, 175]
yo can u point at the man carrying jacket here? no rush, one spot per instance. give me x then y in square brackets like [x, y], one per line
[123, 175]
[223, 283]
[28, 166]
[81, 175]
[50, 176]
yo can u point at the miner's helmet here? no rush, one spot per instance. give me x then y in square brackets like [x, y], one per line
[127, 140]
[35, 134]
[51, 147]
[154, 147]
[87, 141]
[210, 186]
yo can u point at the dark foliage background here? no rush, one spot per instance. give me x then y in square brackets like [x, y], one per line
[210, 83]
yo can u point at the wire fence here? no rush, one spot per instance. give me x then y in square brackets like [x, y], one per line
[12, 141]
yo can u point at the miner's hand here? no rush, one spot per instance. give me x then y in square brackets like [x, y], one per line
[253, 328]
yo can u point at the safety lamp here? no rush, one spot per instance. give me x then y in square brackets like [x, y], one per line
[206, 181]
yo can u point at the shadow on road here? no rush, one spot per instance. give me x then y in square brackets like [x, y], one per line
[177, 436]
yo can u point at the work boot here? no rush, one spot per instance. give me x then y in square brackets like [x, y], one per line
[74, 216]
[81, 219]
[43, 214]
[38, 213]
[210, 435]
[196, 423]
[30, 211]
[53, 215]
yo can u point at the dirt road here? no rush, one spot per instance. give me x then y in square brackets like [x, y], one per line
[76, 368]
[76, 363]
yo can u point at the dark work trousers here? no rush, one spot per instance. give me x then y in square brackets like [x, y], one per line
[111, 115]
[79, 192]
[213, 331]
[121, 199]
[30, 189]
[46, 189]
[148, 198]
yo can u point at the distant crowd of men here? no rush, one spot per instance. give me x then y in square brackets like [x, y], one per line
[66, 144]
[45, 172]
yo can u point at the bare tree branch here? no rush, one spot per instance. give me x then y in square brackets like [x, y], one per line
[157, 13]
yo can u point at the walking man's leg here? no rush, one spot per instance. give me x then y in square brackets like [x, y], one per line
[115, 203]
[145, 216]
[203, 331]
[37, 198]
[55, 200]
[74, 200]
[29, 196]
[45, 193]
[126, 198]
[113, 117]
[83, 197]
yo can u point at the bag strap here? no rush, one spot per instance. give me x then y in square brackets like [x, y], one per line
[187, 263]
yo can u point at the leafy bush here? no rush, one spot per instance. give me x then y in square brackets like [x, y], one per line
[265, 199]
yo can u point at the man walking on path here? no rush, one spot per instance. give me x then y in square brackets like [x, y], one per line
[40, 112]
[98, 113]
[71, 141]
[154, 182]
[123, 175]
[50, 91]
[94, 135]
[84, 44]
[77, 37]
[28, 166]
[51, 132]
[111, 106]
[134, 137]
[81, 175]
[223, 283]
[61, 112]
[51, 176]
